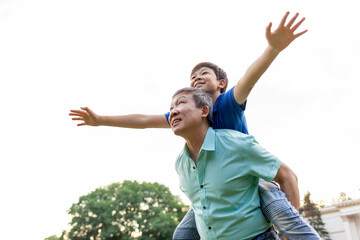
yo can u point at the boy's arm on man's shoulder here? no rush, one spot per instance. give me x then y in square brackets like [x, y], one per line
[90, 118]
[278, 40]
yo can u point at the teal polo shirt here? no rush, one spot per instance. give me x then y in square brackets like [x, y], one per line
[223, 187]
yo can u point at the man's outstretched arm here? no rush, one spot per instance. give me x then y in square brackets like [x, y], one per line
[90, 118]
[278, 40]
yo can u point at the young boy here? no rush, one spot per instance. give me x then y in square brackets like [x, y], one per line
[228, 113]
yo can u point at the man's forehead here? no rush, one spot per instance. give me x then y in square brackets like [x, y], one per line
[185, 95]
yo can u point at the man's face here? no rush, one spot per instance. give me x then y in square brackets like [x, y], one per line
[205, 79]
[184, 115]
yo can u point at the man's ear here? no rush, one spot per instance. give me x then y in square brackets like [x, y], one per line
[221, 83]
[205, 111]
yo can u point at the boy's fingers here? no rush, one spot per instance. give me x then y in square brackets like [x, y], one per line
[77, 111]
[77, 114]
[298, 24]
[300, 33]
[292, 20]
[283, 20]
[268, 27]
[77, 119]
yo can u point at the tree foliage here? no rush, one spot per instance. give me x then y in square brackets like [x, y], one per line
[53, 237]
[128, 210]
[312, 213]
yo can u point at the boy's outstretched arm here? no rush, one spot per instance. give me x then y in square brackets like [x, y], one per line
[88, 117]
[278, 40]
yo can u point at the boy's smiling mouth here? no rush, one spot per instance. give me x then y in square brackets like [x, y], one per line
[198, 84]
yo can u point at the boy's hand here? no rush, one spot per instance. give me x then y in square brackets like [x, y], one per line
[284, 34]
[86, 115]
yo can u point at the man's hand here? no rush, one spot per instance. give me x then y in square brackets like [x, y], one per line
[86, 115]
[281, 38]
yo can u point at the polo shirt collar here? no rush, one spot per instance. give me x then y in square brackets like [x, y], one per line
[208, 144]
[209, 141]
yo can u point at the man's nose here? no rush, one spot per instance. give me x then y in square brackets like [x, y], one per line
[173, 112]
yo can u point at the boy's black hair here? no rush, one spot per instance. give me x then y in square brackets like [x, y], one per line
[220, 73]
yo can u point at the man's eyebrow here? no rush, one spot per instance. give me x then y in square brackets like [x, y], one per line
[180, 97]
[177, 99]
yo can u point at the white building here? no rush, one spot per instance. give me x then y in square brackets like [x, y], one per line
[342, 220]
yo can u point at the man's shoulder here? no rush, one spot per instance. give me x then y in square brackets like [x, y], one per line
[232, 134]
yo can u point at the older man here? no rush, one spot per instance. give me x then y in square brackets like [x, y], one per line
[219, 171]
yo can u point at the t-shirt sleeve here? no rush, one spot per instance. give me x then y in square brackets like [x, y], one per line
[261, 162]
[229, 99]
[228, 114]
[167, 117]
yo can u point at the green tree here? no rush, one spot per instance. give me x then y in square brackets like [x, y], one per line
[53, 237]
[128, 210]
[312, 213]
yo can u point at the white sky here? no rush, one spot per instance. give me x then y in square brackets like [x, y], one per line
[121, 57]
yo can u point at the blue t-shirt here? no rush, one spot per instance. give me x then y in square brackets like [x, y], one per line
[227, 113]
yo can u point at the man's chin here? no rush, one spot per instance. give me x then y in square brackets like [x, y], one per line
[177, 131]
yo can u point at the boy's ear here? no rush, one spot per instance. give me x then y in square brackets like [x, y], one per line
[205, 111]
[221, 83]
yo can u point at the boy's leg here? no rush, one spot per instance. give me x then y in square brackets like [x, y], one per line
[282, 214]
[186, 230]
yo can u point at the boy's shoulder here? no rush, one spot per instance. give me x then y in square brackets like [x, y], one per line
[229, 94]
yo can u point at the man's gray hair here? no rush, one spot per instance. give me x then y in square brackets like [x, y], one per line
[201, 99]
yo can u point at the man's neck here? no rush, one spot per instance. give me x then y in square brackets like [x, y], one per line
[195, 141]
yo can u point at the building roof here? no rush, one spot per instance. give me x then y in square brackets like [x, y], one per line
[338, 206]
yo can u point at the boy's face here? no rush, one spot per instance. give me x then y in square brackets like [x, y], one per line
[184, 115]
[205, 79]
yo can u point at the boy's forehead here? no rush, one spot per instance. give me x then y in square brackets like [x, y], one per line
[202, 69]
